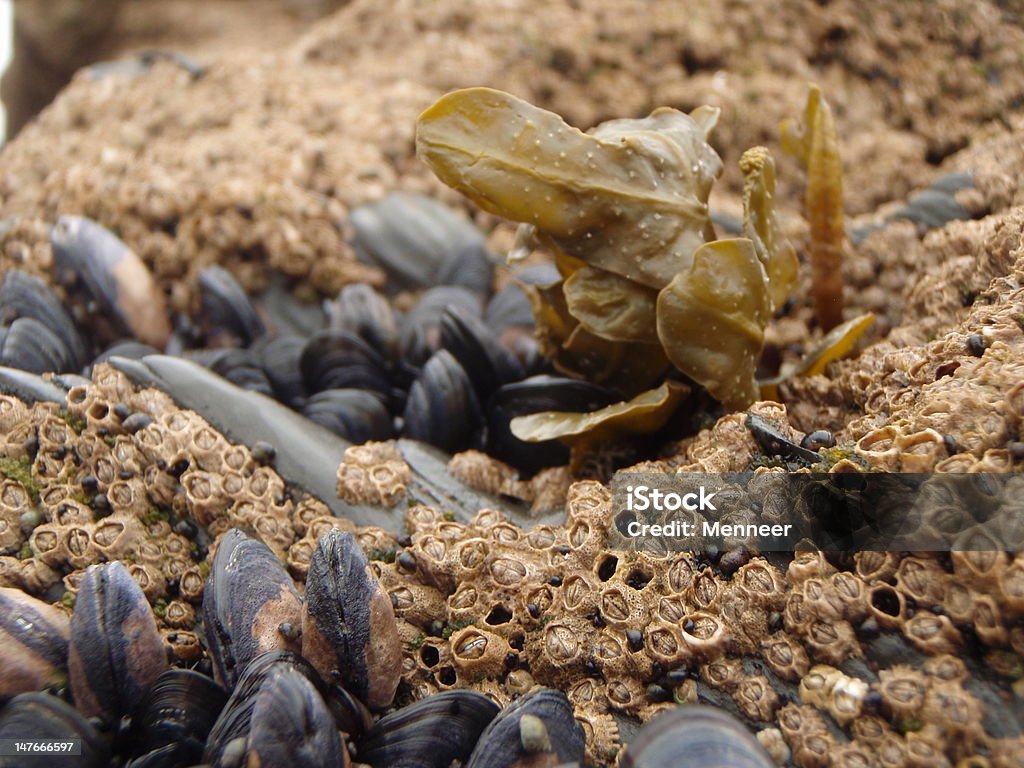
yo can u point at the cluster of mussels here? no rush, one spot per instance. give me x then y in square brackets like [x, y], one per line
[452, 371]
[294, 680]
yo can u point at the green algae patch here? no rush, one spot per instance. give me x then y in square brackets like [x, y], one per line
[19, 469]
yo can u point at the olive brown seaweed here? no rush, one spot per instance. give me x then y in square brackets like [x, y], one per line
[623, 208]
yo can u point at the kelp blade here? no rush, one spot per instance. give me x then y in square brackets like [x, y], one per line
[630, 198]
[612, 307]
[816, 146]
[645, 413]
[711, 320]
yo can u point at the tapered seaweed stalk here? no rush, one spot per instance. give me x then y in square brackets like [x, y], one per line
[816, 146]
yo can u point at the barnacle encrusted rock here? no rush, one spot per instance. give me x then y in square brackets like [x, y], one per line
[908, 652]
[374, 473]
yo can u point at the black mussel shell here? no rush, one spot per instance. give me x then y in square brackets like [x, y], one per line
[248, 597]
[45, 717]
[354, 414]
[504, 743]
[420, 335]
[95, 265]
[34, 638]
[235, 719]
[707, 736]
[291, 726]
[279, 358]
[509, 307]
[442, 408]
[133, 350]
[818, 440]
[24, 295]
[470, 266]
[534, 395]
[226, 309]
[409, 236]
[485, 361]
[349, 632]
[774, 443]
[360, 310]
[510, 318]
[28, 345]
[241, 367]
[175, 719]
[116, 651]
[30, 387]
[335, 359]
[432, 733]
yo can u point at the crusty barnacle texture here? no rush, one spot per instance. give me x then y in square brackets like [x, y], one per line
[806, 733]
[544, 491]
[775, 745]
[756, 698]
[871, 565]
[927, 378]
[374, 473]
[728, 446]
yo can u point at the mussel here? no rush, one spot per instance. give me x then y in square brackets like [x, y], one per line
[226, 310]
[104, 274]
[236, 720]
[23, 295]
[442, 407]
[335, 359]
[697, 736]
[361, 310]
[468, 265]
[291, 726]
[485, 361]
[248, 604]
[774, 443]
[349, 633]
[541, 723]
[420, 331]
[410, 236]
[34, 636]
[29, 345]
[357, 415]
[175, 719]
[43, 717]
[431, 733]
[239, 366]
[116, 652]
[533, 395]
[279, 358]
[276, 716]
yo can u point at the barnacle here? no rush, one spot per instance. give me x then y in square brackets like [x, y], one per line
[816, 146]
